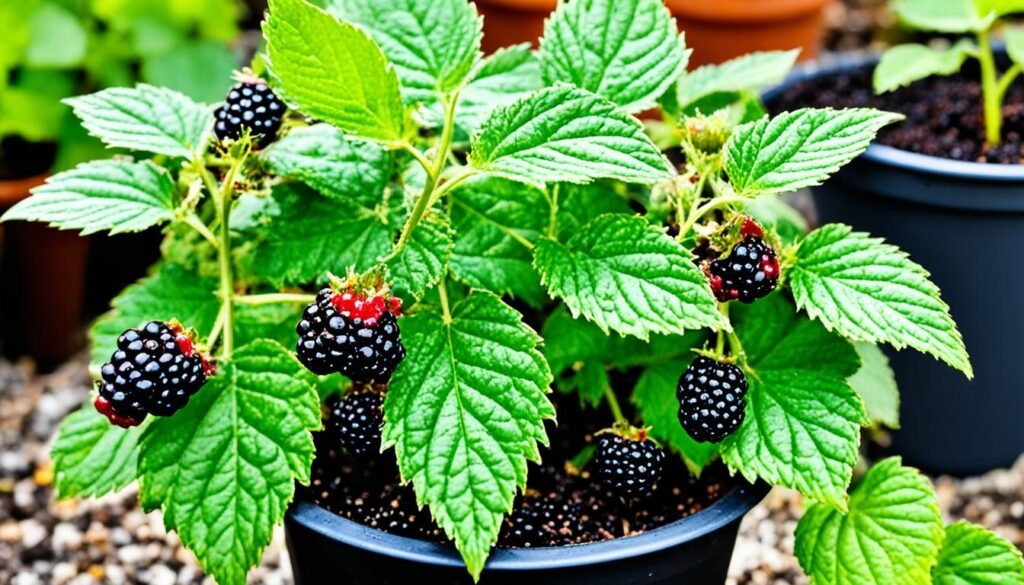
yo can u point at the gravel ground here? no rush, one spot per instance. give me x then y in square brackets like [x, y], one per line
[111, 541]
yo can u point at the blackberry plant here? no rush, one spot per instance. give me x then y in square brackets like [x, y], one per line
[457, 185]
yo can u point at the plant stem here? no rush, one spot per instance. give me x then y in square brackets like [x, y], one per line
[416, 154]
[451, 183]
[442, 290]
[271, 298]
[1006, 80]
[553, 219]
[720, 342]
[197, 224]
[223, 199]
[992, 102]
[613, 404]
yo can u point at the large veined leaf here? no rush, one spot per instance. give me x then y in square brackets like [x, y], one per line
[948, 16]
[465, 412]
[332, 71]
[802, 424]
[567, 134]
[891, 533]
[628, 276]
[153, 119]
[92, 457]
[108, 195]
[223, 469]
[424, 260]
[871, 291]
[875, 383]
[747, 73]
[798, 149]
[972, 555]
[629, 52]
[905, 64]
[433, 44]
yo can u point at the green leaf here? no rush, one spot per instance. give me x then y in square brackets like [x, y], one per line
[996, 8]
[424, 260]
[627, 52]
[871, 291]
[904, 64]
[433, 44]
[304, 236]
[876, 385]
[891, 534]
[342, 169]
[567, 134]
[92, 457]
[948, 16]
[590, 383]
[465, 412]
[498, 222]
[802, 425]
[655, 397]
[110, 195]
[146, 118]
[798, 149]
[578, 205]
[332, 71]
[747, 73]
[1014, 38]
[56, 38]
[570, 341]
[506, 76]
[628, 276]
[171, 292]
[223, 469]
[972, 555]
[200, 70]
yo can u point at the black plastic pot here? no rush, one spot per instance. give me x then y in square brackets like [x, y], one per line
[325, 548]
[964, 223]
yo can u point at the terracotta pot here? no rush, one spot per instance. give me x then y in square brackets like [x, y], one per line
[719, 30]
[510, 22]
[43, 278]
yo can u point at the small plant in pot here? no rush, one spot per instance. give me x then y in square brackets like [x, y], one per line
[359, 257]
[952, 167]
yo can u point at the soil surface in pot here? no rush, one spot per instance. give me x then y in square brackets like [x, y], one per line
[559, 507]
[944, 116]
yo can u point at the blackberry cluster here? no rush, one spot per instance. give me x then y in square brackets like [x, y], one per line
[249, 105]
[711, 399]
[357, 421]
[155, 370]
[628, 468]
[748, 273]
[354, 336]
[538, 522]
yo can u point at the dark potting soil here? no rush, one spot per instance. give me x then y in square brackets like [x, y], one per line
[944, 114]
[558, 508]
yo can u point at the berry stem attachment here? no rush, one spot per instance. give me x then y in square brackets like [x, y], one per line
[613, 405]
[272, 298]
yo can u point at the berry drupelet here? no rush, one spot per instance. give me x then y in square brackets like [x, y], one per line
[251, 105]
[352, 334]
[155, 370]
[357, 421]
[711, 399]
[538, 522]
[749, 272]
[628, 467]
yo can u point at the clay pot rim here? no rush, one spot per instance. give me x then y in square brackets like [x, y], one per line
[726, 12]
[544, 6]
[14, 190]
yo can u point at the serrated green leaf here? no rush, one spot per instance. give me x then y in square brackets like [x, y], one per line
[802, 425]
[465, 412]
[904, 64]
[798, 149]
[628, 276]
[972, 555]
[332, 71]
[424, 260]
[578, 205]
[223, 469]
[1014, 38]
[891, 534]
[567, 134]
[497, 222]
[433, 44]
[627, 52]
[321, 157]
[92, 457]
[171, 292]
[751, 72]
[876, 385]
[949, 16]
[655, 397]
[107, 195]
[153, 119]
[304, 236]
[871, 291]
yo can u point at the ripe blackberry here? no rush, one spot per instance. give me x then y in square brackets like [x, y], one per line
[155, 370]
[357, 421]
[249, 104]
[628, 468]
[748, 273]
[351, 334]
[544, 521]
[711, 404]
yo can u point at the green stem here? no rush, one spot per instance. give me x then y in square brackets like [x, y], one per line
[442, 290]
[613, 404]
[553, 219]
[272, 298]
[416, 154]
[990, 90]
[218, 326]
[720, 342]
[1006, 80]
[450, 184]
[198, 225]
[223, 200]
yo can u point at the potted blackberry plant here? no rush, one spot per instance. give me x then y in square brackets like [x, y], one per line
[952, 167]
[359, 257]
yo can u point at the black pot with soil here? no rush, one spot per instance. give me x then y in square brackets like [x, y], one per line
[931, 187]
[356, 523]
